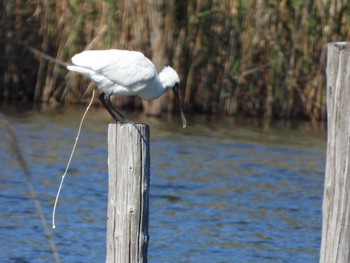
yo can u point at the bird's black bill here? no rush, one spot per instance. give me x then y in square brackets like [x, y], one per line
[175, 89]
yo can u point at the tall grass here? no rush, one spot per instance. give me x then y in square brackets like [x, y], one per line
[257, 58]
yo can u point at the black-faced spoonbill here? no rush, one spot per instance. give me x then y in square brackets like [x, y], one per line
[126, 73]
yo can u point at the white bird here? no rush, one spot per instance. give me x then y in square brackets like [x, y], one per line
[124, 72]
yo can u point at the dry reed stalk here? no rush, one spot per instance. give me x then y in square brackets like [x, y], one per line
[44, 46]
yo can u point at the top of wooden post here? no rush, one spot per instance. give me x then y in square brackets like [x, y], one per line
[339, 45]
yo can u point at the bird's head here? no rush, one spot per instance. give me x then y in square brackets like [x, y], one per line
[169, 78]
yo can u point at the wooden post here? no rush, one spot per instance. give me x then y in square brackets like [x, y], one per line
[128, 193]
[335, 245]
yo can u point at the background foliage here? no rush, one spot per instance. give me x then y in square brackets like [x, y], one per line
[256, 58]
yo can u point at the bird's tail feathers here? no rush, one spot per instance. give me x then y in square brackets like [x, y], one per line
[83, 71]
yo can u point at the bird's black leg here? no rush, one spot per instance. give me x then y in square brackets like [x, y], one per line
[106, 102]
[107, 99]
[102, 99]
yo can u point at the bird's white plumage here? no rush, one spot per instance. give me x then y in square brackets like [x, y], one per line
[168, 77]
[123, 72]
[119, 72]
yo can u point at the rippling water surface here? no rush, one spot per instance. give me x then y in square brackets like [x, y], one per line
[221, 190]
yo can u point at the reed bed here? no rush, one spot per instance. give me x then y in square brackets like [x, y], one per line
[235, 57]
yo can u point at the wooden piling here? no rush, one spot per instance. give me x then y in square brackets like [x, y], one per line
[335, 245]
[128, 193]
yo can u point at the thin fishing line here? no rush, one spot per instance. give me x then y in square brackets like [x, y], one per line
[69, 161]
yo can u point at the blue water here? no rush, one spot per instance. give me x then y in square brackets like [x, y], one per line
[221, 191]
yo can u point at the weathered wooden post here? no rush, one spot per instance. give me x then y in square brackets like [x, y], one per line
[335, 245]
[128, 193]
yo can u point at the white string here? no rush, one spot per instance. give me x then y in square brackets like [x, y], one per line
[70, 159]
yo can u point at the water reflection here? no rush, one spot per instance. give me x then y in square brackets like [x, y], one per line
[221, 191]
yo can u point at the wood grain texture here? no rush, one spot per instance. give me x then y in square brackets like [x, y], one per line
[128, 193]
[335, 245]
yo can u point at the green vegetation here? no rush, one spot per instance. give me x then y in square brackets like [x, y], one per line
[256, 58]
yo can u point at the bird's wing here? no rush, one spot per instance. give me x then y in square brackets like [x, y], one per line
[122, 67]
